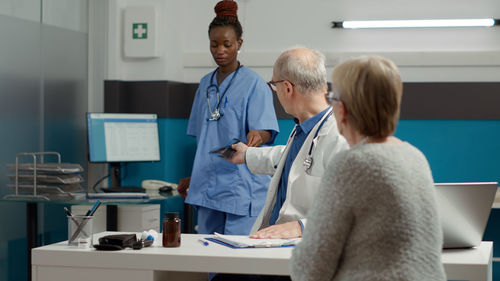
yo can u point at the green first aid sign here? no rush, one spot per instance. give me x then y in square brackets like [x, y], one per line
[139, 31]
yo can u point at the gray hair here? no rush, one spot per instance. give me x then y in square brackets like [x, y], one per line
[306, 71]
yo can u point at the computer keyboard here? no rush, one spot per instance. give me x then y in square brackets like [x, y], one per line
[124, 189]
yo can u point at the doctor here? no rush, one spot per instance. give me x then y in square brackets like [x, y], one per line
[299, 81]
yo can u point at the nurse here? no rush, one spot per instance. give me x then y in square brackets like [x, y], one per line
[231, 103]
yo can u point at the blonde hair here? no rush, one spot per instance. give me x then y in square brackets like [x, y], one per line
[370, 88]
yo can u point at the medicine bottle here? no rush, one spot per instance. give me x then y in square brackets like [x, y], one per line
[171, 230]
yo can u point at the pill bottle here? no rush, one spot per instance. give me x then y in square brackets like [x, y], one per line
[171, 230]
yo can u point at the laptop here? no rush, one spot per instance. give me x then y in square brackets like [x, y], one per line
[464, 209]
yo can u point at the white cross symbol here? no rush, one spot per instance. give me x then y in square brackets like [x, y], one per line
[139, 31]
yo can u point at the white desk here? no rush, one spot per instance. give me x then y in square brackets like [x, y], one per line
[192, 261]
[469, 264]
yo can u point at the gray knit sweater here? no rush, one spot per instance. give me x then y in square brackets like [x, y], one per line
[374, 218]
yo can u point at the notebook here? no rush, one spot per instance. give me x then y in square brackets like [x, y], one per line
[464, 209]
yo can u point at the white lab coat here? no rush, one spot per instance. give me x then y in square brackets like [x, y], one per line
[301, 186]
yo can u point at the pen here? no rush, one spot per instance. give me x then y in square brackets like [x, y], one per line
[203, 242]
[68, 212]
[94, 208]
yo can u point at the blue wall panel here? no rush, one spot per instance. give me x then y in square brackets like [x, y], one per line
[457, 150]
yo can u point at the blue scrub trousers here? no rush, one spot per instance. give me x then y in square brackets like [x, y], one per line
[210, 221]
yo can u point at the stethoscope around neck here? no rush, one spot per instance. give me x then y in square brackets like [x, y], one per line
[308, 162]
[216, 114]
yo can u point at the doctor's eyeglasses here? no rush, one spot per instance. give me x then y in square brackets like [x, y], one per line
[272, 84]
[330, 98]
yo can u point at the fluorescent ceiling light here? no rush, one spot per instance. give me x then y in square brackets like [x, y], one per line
[415, 23]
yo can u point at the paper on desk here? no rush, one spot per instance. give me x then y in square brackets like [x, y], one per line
[245, 241]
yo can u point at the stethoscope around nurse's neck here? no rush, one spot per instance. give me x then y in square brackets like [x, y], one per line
[308, 162]
[216, 114]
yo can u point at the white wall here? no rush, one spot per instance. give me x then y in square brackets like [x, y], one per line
[22, 9]
[67, 14]
[456, 54]
[164, 67]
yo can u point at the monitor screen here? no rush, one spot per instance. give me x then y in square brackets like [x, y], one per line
[122, 137]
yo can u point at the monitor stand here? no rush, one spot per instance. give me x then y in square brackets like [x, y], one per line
[116, 186]
[112, 210]
[115, 174]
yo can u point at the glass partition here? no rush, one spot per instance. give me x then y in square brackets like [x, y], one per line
[43, 100]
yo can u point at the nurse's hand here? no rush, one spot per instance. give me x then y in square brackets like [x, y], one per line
[183, 186]
[285, 230]
[239, 154]
[258, 137]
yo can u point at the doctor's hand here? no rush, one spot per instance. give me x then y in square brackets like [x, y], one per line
[239, 154]
[183, 187]
[258, 137]
[285, 230]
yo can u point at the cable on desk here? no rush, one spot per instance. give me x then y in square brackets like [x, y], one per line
[99, 181]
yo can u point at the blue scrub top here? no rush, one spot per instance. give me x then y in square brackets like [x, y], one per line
[246, 105]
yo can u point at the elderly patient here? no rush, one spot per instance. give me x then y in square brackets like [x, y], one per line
[374, 217]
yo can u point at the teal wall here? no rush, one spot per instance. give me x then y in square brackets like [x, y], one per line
[457, 150]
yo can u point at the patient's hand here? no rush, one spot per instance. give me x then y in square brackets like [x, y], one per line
[285, 230]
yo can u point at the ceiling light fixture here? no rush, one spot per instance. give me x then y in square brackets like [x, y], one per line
[355, 24]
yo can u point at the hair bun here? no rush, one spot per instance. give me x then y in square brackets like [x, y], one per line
[226, 8]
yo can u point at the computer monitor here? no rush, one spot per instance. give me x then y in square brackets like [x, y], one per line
[122, 137]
